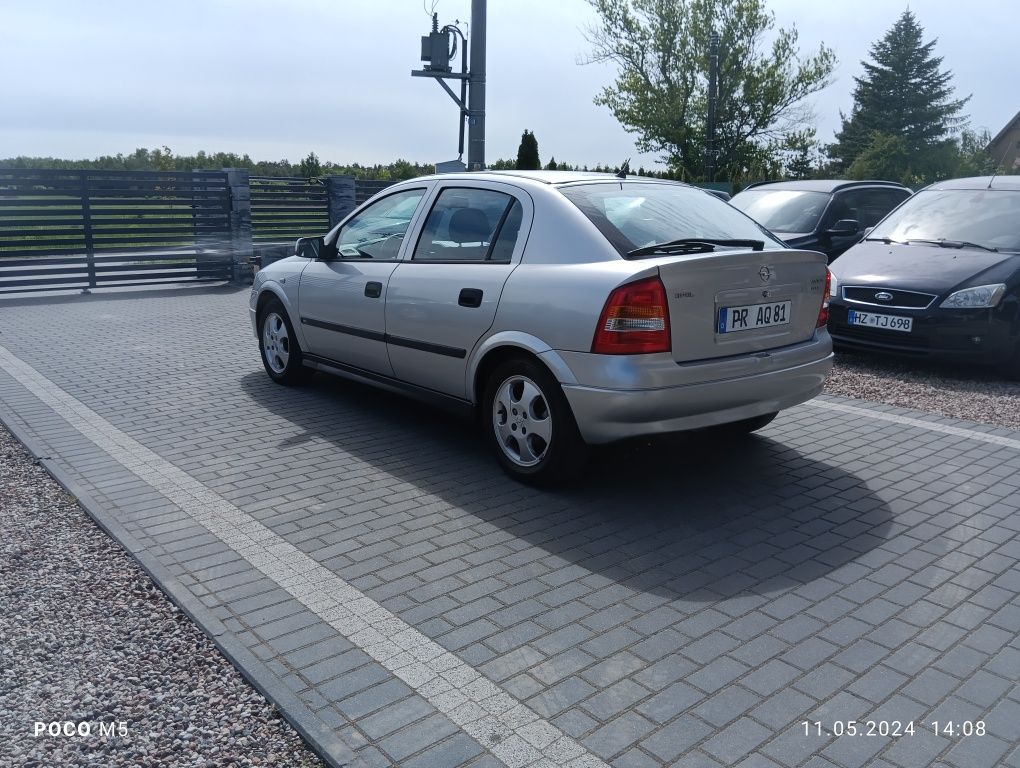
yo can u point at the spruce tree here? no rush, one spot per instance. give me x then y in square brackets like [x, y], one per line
[903, 93]
[527, 153]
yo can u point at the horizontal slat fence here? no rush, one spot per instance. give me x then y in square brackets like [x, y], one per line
[85, 229]
[365, 188]
[285, 208]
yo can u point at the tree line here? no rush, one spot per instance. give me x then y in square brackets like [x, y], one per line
[163, 159]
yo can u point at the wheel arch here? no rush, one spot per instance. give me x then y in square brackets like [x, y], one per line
[267, 293]
[507, 345]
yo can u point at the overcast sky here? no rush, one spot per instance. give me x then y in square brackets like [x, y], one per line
[277, 79]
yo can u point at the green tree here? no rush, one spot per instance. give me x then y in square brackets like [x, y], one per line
[885, 157]
[661, 90]
[503, 164]
[527, 153]
[799, 155]
[974, 159]
[310, 166]
[551, 165]
[162, 159]
[905, 93]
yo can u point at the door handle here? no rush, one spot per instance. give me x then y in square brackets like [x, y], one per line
[373, 289]
[470, 297]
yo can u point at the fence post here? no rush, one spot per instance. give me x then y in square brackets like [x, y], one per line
[240, 223]
[86, 216]
[341, 198]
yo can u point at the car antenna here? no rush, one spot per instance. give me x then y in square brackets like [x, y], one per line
[624, 169]
[995, 171]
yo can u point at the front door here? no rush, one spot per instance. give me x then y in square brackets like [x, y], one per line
[342, 295]
[443, 299]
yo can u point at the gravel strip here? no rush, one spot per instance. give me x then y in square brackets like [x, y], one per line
[85, 636]
[974, 395]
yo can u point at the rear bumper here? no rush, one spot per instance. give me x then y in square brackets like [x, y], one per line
[605, 415]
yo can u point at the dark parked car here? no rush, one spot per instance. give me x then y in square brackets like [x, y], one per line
[818, 215]
[939, 277]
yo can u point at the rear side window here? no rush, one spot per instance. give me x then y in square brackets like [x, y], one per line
[470, 225]
[633, 215]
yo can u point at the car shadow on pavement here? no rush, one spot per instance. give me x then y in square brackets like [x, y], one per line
[684, 517]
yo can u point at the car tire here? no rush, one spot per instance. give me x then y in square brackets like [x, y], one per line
[278, 346]
[529, 424]
[744, 426]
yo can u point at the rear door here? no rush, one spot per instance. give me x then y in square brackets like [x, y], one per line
[731, 303]
[443, 298]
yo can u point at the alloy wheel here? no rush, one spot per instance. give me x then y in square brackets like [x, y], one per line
[522, 421]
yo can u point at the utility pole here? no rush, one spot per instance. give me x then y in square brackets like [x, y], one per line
[713, 97]
[476, 89]
[435, 50]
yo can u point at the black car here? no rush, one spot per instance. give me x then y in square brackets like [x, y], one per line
[939, 277]
[817, 215]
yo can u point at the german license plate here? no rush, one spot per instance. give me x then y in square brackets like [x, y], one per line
[752, 316]
[885, 322]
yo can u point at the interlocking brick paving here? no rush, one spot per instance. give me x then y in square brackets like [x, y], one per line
[688, 601]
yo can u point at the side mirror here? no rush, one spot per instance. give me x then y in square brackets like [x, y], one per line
[844, 228]
[309, 247]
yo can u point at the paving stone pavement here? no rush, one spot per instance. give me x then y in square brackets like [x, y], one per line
[687, 603]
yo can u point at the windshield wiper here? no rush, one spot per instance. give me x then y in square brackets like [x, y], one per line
[695, 245]
[941, 243]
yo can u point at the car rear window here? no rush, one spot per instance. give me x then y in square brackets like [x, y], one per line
[633, 215]
[988, 217]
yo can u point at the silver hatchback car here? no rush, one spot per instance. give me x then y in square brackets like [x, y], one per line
[564, 309]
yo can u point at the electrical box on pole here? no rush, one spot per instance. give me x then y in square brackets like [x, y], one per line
[437, 53]
[435, 48]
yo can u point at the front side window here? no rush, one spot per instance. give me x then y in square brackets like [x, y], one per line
[470, 225]
[635, 215]
[876, 203]
[783, 210]
[986, 217]
[378, 231]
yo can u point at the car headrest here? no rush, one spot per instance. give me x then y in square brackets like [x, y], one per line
[469, 225]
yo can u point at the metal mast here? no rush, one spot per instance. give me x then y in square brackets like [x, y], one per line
[476, 89]
[713, 97]
[435, 51]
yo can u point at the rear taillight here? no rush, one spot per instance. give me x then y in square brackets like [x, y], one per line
[634, 321]
[823, 313]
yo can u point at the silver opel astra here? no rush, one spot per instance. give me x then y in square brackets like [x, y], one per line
[563, 309]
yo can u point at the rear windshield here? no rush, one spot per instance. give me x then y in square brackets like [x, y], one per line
[633, 215]
[988, 217]
[783, 210]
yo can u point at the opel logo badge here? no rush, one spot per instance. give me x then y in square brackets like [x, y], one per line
[884, 296]
[765, 273]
